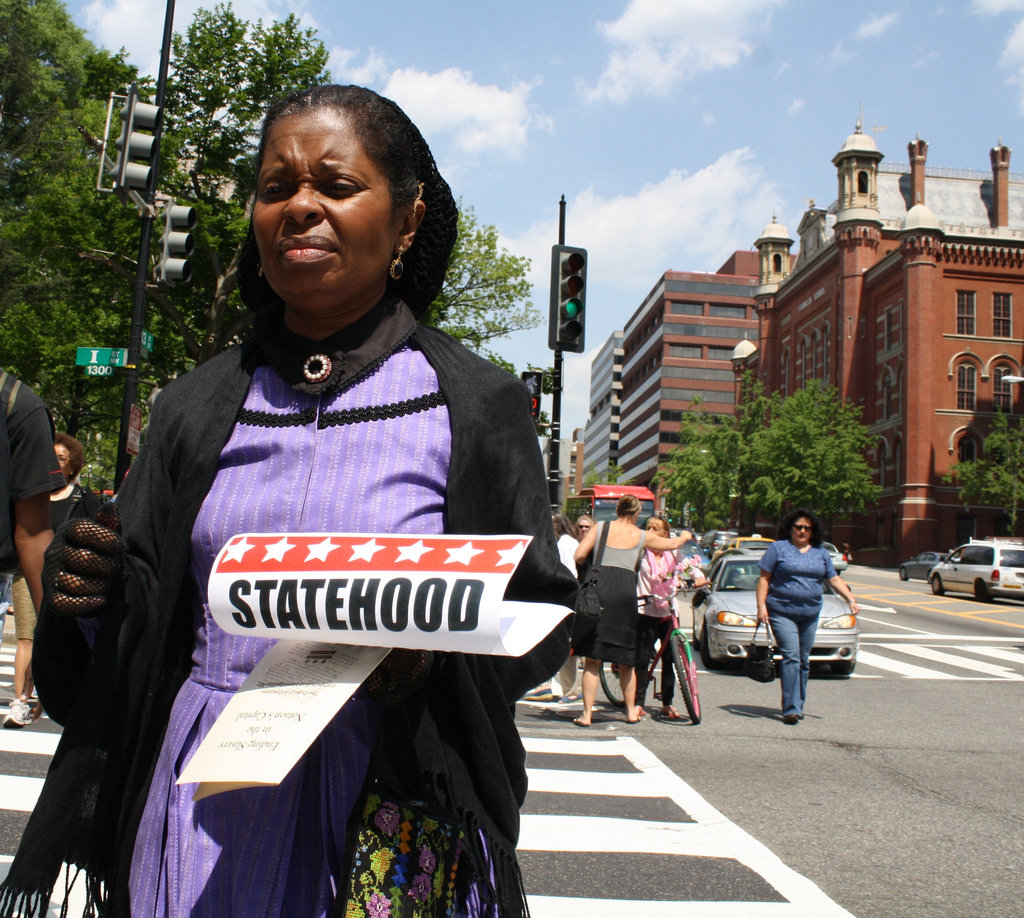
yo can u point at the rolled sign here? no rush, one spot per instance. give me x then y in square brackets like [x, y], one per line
[438, 592]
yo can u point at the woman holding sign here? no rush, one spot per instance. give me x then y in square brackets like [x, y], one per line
[342, 415]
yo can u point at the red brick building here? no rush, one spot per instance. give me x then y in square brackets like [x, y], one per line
[906, 295]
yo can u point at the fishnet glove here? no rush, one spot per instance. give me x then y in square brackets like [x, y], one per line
[84, 563]
[399, 676]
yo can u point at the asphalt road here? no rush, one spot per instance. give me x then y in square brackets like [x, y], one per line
[900, 794]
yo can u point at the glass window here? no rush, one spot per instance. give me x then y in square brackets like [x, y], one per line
[720, 353]
[966, 377]
[687, 309]
[731, 312]
[965, 312]
[1002, 392]
[692, 351]
[967, 449]
[1002, 315]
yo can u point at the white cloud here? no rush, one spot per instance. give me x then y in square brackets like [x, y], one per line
[137, 25]
[344, 69]
[659, 43]
[998, 6]
[876, 26]
[478, 118]
[795, 106]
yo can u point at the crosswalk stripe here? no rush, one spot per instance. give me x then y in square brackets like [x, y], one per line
[18, 793]
[603, 833]
[712, 833]
[948, 659]
[899, 667]
[999, 653]
[29, 741]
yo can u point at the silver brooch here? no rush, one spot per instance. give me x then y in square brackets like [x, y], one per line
[317, 368]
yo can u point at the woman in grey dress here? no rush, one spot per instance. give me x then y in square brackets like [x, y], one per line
[615, 637]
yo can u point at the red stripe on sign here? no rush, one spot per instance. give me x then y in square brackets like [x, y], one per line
[320, 552]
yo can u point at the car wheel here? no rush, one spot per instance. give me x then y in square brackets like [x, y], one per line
[937, 588]
[981, 592]
[705, 654]
[843, 667]
[903, 574]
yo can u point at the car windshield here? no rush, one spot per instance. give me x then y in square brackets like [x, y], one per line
[691, 548]
[739, 575]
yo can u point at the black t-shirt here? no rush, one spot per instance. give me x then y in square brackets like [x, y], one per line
[34, 466]
[79, 504]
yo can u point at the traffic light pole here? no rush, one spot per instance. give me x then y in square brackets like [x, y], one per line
[554, 440]
[138, 319]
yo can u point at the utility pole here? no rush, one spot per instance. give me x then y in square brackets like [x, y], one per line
[131, 383]
[554, 440]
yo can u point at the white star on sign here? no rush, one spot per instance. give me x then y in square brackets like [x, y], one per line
[366, 551]
[413, 552]
[463, 555]
[237, 550]
[321, 550]
[512, 556]
[277, 551]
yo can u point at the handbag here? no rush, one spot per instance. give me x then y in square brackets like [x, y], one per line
[404, 861]
[759, 664]
[588, 608]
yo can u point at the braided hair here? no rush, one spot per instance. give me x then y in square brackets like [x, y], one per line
[395, 144]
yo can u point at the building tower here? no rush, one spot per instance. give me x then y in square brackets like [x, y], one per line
[774, 262]
[858, 233]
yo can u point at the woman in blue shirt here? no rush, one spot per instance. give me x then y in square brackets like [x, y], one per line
[789, 597]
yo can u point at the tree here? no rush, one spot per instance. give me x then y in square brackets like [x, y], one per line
[486, 290]
[700, 473]
[995, 478]
[812, 454]
[611, 475]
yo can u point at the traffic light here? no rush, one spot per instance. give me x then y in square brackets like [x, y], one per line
[568, 298]
[134, 145]
[178, 244]
[533, 382]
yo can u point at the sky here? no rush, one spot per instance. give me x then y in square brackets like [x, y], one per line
[675, 129]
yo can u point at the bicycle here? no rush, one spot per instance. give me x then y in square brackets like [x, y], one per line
[682, 664]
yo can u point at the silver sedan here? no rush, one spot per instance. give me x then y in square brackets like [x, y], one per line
[725, 616]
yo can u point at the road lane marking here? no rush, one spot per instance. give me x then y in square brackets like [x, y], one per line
[898, 666]
[948, 659]
[18, 793]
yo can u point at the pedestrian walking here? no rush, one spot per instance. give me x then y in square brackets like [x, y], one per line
[793, 569]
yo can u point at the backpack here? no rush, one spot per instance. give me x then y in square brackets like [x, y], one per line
[9, 387]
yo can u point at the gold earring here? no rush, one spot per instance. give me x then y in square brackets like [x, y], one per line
[259, 269]
[396, 269]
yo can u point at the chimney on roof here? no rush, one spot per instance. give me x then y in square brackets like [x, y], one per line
[1000, 156]
[918, 151]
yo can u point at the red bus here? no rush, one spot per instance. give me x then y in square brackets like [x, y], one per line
[600, 500]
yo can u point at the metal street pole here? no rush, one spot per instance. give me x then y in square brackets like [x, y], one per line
[138, 319]
[554, 440]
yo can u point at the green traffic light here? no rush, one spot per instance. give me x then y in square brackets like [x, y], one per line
[573, 308]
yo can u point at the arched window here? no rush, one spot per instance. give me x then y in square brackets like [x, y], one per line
[824, 356]
[883, 459]
[1002, 392]
[862, 183]
[966, 449]
[966, 387]
[784, 375]
[897, 464]
[777, 263]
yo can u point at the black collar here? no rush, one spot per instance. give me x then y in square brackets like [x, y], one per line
[351, 353]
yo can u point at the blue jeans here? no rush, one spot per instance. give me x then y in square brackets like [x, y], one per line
[795, 636]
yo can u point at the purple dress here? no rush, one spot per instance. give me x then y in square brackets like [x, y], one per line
[295, 462]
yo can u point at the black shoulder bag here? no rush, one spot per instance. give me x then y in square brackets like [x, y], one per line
[588, 605]
[760, 662]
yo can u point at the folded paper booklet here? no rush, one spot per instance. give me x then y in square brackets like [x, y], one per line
[338, 602]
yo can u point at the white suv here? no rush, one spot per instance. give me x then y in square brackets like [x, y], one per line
[986, 568]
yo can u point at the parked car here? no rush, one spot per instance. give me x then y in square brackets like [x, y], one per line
[920, 566]
[725, 616]
[986, 568]
[839, 561]
[714, 540]
[752, 545]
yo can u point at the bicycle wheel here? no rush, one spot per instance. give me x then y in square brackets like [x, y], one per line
[610, 684]
[686, 673]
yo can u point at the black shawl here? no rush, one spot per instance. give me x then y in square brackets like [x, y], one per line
[455, 742]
